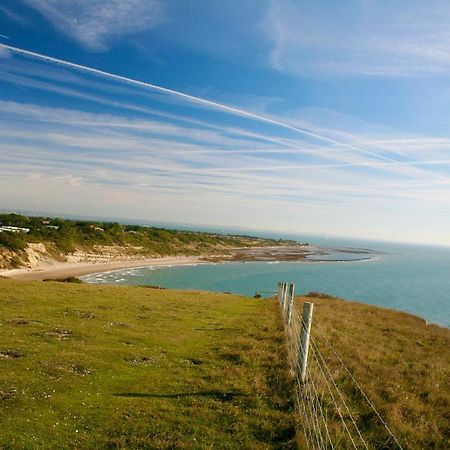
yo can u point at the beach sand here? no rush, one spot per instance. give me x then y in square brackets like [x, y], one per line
[43, 270]
[64, 270]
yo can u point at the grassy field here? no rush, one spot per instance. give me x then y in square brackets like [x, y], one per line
[112, 367]
[84, 366]
[401, 363]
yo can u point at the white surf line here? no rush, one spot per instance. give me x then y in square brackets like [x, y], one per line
[194, 99]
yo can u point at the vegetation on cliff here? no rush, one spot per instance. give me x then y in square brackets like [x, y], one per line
[62, 237]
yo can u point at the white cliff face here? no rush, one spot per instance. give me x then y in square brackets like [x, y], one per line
[37, 255]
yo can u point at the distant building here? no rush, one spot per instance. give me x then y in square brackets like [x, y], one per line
[14, 229]
[53, 227]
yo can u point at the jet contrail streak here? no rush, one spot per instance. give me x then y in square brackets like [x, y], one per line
[199, 100]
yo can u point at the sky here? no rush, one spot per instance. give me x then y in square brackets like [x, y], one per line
[295, 116]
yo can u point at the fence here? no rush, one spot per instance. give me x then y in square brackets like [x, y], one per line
[335, 412]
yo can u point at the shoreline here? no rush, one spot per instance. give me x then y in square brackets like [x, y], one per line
[274, 254]
[64, 270]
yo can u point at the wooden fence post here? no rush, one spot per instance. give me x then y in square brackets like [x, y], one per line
[285, 293]
[291, 303]
[304, 340]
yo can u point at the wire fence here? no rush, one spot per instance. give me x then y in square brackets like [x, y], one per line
[335, 411]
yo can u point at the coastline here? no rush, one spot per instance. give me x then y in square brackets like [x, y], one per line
[64, 270]
[45, 269]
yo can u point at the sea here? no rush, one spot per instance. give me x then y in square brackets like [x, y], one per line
[414, 279]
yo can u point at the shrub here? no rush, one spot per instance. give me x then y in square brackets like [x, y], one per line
[65, 280]
[314, 294]
[12, 241]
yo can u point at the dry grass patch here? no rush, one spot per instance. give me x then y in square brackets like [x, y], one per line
[402, 364]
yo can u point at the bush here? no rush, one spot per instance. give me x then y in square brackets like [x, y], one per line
[65, 280]
[315, 294]
[12, 241]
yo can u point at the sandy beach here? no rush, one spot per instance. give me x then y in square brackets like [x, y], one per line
[43, 269]
[64, 270]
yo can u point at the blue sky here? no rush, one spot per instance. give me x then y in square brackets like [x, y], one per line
[300, 116]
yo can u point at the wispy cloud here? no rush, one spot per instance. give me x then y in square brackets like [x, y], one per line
[339, 146]
[174, 157]
[13, 15]
[359, 37]
[95, 24]
[111, 146]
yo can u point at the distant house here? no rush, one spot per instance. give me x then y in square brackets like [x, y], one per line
[97, 228]
[53, 227]
[14, 229]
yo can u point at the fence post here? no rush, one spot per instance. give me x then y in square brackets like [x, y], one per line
[287, 301]
[279, 291]
[304, 340]
[285, 293]
[291, 303]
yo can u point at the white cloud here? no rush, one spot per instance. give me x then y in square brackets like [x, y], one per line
[14, 16]
[206, 167]
[176, 158]
[95, 24]
[406, 38]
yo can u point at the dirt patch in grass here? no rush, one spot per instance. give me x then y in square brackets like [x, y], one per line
[195, 361]
[140, 360]
[82, 314]
[7, 393]
[60, 333]
[10, 354]
[234, 357]
[58, 370]
[118, 324]
[19, 321]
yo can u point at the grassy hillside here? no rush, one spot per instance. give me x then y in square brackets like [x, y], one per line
[62, 237]
[84, 366]
[113, 367]
[401, 363]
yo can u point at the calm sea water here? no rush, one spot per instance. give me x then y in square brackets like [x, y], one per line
[406, 278]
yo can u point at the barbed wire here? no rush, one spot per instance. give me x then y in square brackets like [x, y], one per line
[328, 343]
[319, 383]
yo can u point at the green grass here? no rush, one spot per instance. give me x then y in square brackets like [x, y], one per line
[85, 366]
[113, 367]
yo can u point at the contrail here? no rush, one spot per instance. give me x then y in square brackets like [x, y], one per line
[199, 100]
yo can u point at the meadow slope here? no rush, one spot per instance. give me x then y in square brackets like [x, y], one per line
[88, 366]
[115, 367]
[401, 363]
